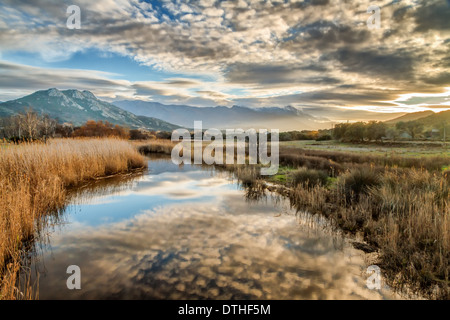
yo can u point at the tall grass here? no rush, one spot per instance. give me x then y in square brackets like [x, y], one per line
[405, 214]
[155, 146]
[34, 179]
[309, 177]
[338, 160]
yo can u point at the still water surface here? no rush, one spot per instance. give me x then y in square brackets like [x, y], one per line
[186, 232]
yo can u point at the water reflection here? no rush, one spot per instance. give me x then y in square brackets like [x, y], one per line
[188, 233]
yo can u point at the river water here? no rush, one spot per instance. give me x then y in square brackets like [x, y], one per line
[189, 232]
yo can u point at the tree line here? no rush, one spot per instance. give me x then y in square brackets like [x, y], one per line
[359, 131]
[31, 126]
[378, 130]
[318, 135]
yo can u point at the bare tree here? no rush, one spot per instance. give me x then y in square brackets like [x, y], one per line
[11, 126]
[30, 121]
[28, 125]
[47, 126]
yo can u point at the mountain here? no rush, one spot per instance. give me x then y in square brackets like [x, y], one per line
[220, 117]
[436, 119]
[77, 107]
[430, 119]
[410, 117]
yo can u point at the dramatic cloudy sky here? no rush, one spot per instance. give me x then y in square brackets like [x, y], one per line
[318, 55]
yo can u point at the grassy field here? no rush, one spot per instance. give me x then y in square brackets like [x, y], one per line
[34, 179]
[404, 148]
[395, 197]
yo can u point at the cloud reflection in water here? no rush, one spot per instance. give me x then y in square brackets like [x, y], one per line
[190, 234]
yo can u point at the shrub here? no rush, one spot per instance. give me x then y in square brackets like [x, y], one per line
[247, 175]
[101, 129]
[309, 177]
[358, 181]
[156, 146]
[293, 159]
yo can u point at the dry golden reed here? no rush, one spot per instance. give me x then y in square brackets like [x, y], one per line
[403, 213]
[33, 182]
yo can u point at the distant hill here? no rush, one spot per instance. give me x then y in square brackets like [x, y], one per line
[436, 119]
[77, 107]
[411, 117]
[431, 120]
[284, 119]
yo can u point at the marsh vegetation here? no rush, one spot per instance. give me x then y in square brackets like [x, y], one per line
[34, 180]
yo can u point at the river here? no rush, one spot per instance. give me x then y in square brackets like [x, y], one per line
[189, 232]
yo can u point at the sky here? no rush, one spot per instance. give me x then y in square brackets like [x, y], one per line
[320, 56]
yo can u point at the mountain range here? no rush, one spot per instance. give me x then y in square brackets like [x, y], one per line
[77, 107]
[220, 117]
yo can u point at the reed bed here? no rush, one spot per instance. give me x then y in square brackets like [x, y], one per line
[404, 215]
[155, 146]
[339, 161]
[34, 179]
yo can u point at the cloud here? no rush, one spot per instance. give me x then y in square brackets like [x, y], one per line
[260, 52]
[19, 80]
[433, 15]
[395, 66]
[441, 79]
[179, 82]
[273, 74]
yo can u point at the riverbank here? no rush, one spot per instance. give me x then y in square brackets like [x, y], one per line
[397, 204]
[34, 179]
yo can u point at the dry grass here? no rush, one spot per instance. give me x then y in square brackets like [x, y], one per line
[34, 179]
[309, 178]
[338, 161]
[404, 213]
[409, 219]
[155, 146]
